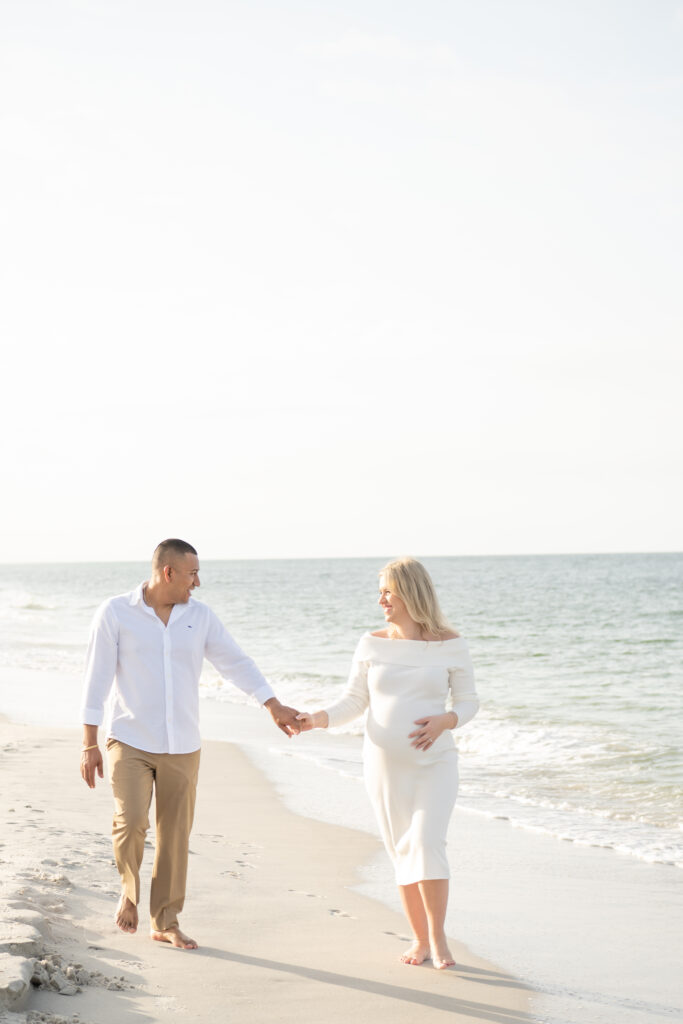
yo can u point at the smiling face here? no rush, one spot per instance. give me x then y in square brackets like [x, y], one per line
[181, 578]
[392, 605]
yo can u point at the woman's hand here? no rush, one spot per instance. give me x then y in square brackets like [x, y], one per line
[312, 720]
[431, 728]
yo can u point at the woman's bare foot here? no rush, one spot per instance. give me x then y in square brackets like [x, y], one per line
[175, 937]
[415, 954]
[126, 915]
[443, 958]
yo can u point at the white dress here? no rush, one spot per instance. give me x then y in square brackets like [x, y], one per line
[412, 791]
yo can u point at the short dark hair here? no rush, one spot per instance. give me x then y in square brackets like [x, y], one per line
[167, 549]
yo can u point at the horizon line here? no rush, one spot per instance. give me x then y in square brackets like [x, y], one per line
[330, 558]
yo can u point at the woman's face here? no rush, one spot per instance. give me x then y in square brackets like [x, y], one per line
[391, 603]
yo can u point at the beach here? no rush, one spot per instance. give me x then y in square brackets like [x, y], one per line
[272, 901]
[565, 847]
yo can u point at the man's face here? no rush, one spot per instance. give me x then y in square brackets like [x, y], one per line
[182, 577]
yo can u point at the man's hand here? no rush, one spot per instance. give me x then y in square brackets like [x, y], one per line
[284, 717]
[91, 763]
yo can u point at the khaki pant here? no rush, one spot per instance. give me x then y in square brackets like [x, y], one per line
[133, 774]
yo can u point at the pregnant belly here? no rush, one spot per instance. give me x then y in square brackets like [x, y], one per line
[391, 730]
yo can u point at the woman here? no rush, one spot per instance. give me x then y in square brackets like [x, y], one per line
[404, 674]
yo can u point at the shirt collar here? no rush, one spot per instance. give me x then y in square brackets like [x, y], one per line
[137, 597]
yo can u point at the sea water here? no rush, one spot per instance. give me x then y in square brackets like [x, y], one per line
[578, 661]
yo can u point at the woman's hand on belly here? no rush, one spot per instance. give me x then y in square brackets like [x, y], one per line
[429, 729]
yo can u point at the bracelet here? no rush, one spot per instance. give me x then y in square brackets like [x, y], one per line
[93, 747]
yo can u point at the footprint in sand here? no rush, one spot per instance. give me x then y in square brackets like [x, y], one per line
[340, 913]
[313, 895]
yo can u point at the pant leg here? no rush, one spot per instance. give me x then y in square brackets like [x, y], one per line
[131, 773]
[176, 787]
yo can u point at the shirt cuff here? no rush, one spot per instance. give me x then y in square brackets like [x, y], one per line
[92, 716]
[264, 693]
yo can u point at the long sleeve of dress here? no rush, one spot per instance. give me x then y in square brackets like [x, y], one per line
[355, 698]
[464, 699]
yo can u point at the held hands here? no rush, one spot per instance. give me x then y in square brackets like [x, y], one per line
[91, 763]
[285, 718]
[312, 720]
[431, 728]
[293, 722]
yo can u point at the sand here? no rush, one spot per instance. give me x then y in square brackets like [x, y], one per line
[283, 934]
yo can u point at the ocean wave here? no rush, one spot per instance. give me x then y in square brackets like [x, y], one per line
[644, 844]
[22, 600]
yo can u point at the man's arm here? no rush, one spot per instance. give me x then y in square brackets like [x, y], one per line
[241, 670]
[99, 676]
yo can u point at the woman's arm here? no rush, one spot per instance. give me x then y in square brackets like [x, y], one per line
[350, 705]
[464, 706]
[464, 699]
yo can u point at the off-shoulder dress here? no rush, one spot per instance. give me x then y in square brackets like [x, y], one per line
[412, 791]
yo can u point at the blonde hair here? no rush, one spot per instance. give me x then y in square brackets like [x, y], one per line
[410, 581]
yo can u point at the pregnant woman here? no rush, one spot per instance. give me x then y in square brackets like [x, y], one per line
[406, 674]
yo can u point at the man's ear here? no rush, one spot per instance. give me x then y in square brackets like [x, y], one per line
[168, 569]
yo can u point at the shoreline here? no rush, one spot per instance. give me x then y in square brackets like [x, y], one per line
[272, 899]
[593, 933]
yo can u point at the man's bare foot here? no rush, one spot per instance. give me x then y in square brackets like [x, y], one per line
[175, 937]
[415, 954]
[126, 915]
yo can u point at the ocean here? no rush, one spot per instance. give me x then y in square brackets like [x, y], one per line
[577, 746]
[578, 659]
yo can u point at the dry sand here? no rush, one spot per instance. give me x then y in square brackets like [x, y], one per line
[283, 936]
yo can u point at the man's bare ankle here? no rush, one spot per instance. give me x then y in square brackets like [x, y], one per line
[126, 916]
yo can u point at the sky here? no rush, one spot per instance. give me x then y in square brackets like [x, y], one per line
[340, 278]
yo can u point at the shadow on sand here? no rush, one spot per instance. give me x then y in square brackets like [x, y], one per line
[438, 1001]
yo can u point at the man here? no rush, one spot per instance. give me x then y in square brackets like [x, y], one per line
[150, 644]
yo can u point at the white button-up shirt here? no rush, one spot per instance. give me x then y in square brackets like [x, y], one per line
[155, 671]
